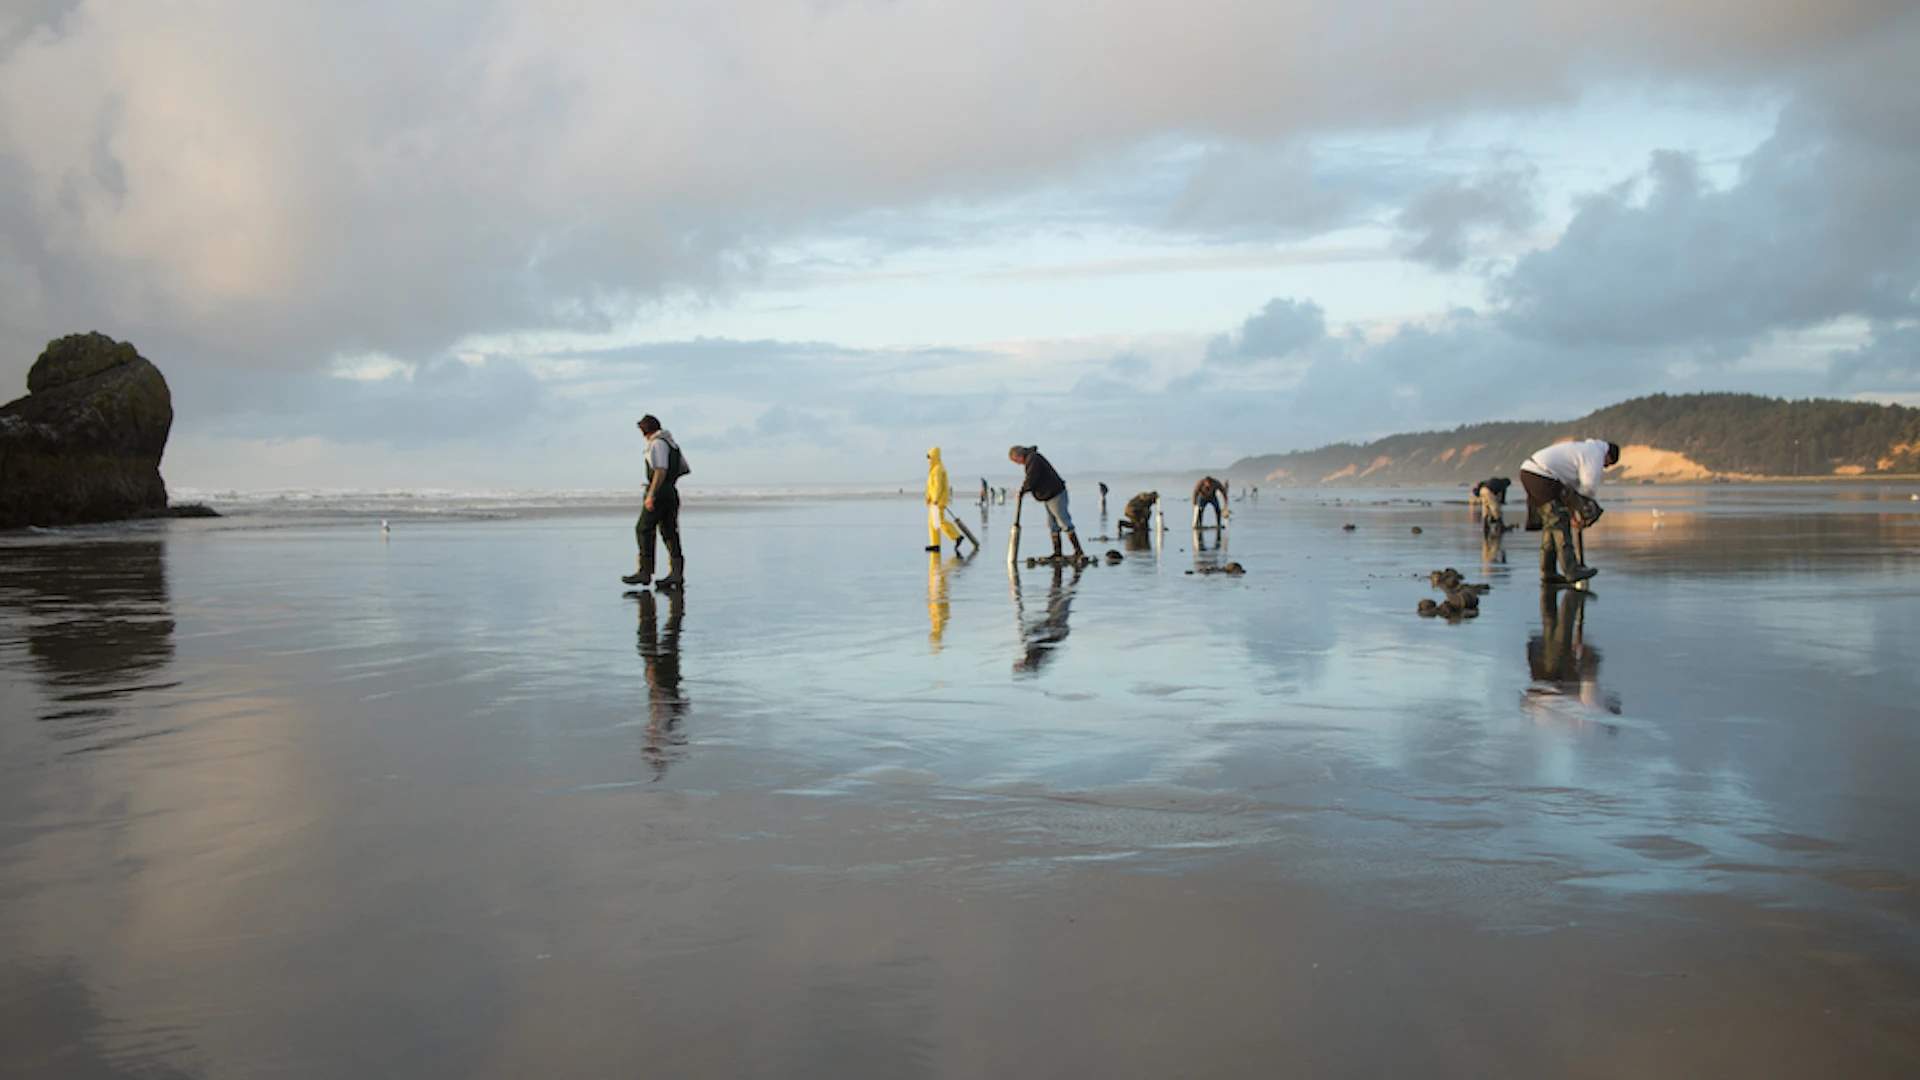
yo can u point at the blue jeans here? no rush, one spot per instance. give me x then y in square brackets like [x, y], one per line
[1058, 520]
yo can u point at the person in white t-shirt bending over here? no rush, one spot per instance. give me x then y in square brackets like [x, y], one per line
[1561, 481]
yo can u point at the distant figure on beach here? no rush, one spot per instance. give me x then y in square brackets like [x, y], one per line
[1561, 481]
[1103, 498]
[986, 493]
[1490, 498]
[1046, 487]
[1209, 492]
[938, 496]
[660, 513]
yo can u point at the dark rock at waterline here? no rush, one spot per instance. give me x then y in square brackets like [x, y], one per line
[1349, 527]
[85, 443]
[1114, 556]
[1417, 530]
[180, 510]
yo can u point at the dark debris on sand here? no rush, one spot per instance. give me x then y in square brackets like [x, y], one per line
[1062, 560]
[1232, 569]
[1463, 597]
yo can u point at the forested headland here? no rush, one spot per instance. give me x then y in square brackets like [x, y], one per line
[1674, 438]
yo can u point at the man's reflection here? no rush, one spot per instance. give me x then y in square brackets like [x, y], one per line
[665, 704]
[98, 625]
[1564, 665]
[1040, 637]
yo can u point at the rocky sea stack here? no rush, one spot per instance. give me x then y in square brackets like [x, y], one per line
[85, 443]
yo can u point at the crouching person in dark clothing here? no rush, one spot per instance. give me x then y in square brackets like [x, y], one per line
[1049, 491]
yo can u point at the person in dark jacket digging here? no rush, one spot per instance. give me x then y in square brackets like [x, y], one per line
[1046, 487]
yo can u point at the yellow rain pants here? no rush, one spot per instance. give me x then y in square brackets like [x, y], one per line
[938, 496]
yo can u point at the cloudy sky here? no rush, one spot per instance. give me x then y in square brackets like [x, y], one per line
[465, 244]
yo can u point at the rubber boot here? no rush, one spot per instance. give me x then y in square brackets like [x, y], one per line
[1078, 551]
[1056, 545]
[1549, 563]
[1570, 565]
[677, 575]
[641, 575]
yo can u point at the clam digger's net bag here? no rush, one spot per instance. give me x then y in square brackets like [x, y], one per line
[1583, 510]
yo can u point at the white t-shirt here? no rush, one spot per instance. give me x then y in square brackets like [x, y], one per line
[1579, 465]
[660, 450]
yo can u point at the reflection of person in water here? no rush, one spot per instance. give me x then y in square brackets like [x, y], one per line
[1493, 550]
[938, 572]
[98, 628]
[1562, 662]
[666, 706]
[1040, 637]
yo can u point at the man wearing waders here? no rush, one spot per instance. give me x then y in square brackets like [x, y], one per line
[1049, 491]
[1561, 481]
[1209, 492]
[938, 496]
[661, 511]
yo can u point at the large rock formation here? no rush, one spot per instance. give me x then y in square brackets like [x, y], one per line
[85, 443]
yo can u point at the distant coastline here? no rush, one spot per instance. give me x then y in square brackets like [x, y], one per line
[1684, 439]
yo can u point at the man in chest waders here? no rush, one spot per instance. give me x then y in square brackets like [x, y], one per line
[1561, 481]
[661, 511]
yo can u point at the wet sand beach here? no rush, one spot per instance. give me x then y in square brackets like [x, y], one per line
[282, 795]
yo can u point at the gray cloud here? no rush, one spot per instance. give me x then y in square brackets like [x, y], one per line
[1438, 224]
[1823, 222]
[205, 182]
[1889, 361]
[439, 401]
[1283, 327]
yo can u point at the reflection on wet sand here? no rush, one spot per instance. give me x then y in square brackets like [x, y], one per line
[401, 826]
[98, 627]
[939, 573]
[666, 705]
[53, 1025]
[1493, 551]
[1040, 637]
[1565, 666]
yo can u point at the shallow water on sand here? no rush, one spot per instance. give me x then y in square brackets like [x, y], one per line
[290, 796]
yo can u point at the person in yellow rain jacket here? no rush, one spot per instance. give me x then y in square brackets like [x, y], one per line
[938, 496]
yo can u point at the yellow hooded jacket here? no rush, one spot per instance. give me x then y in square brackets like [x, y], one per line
[938, 492]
